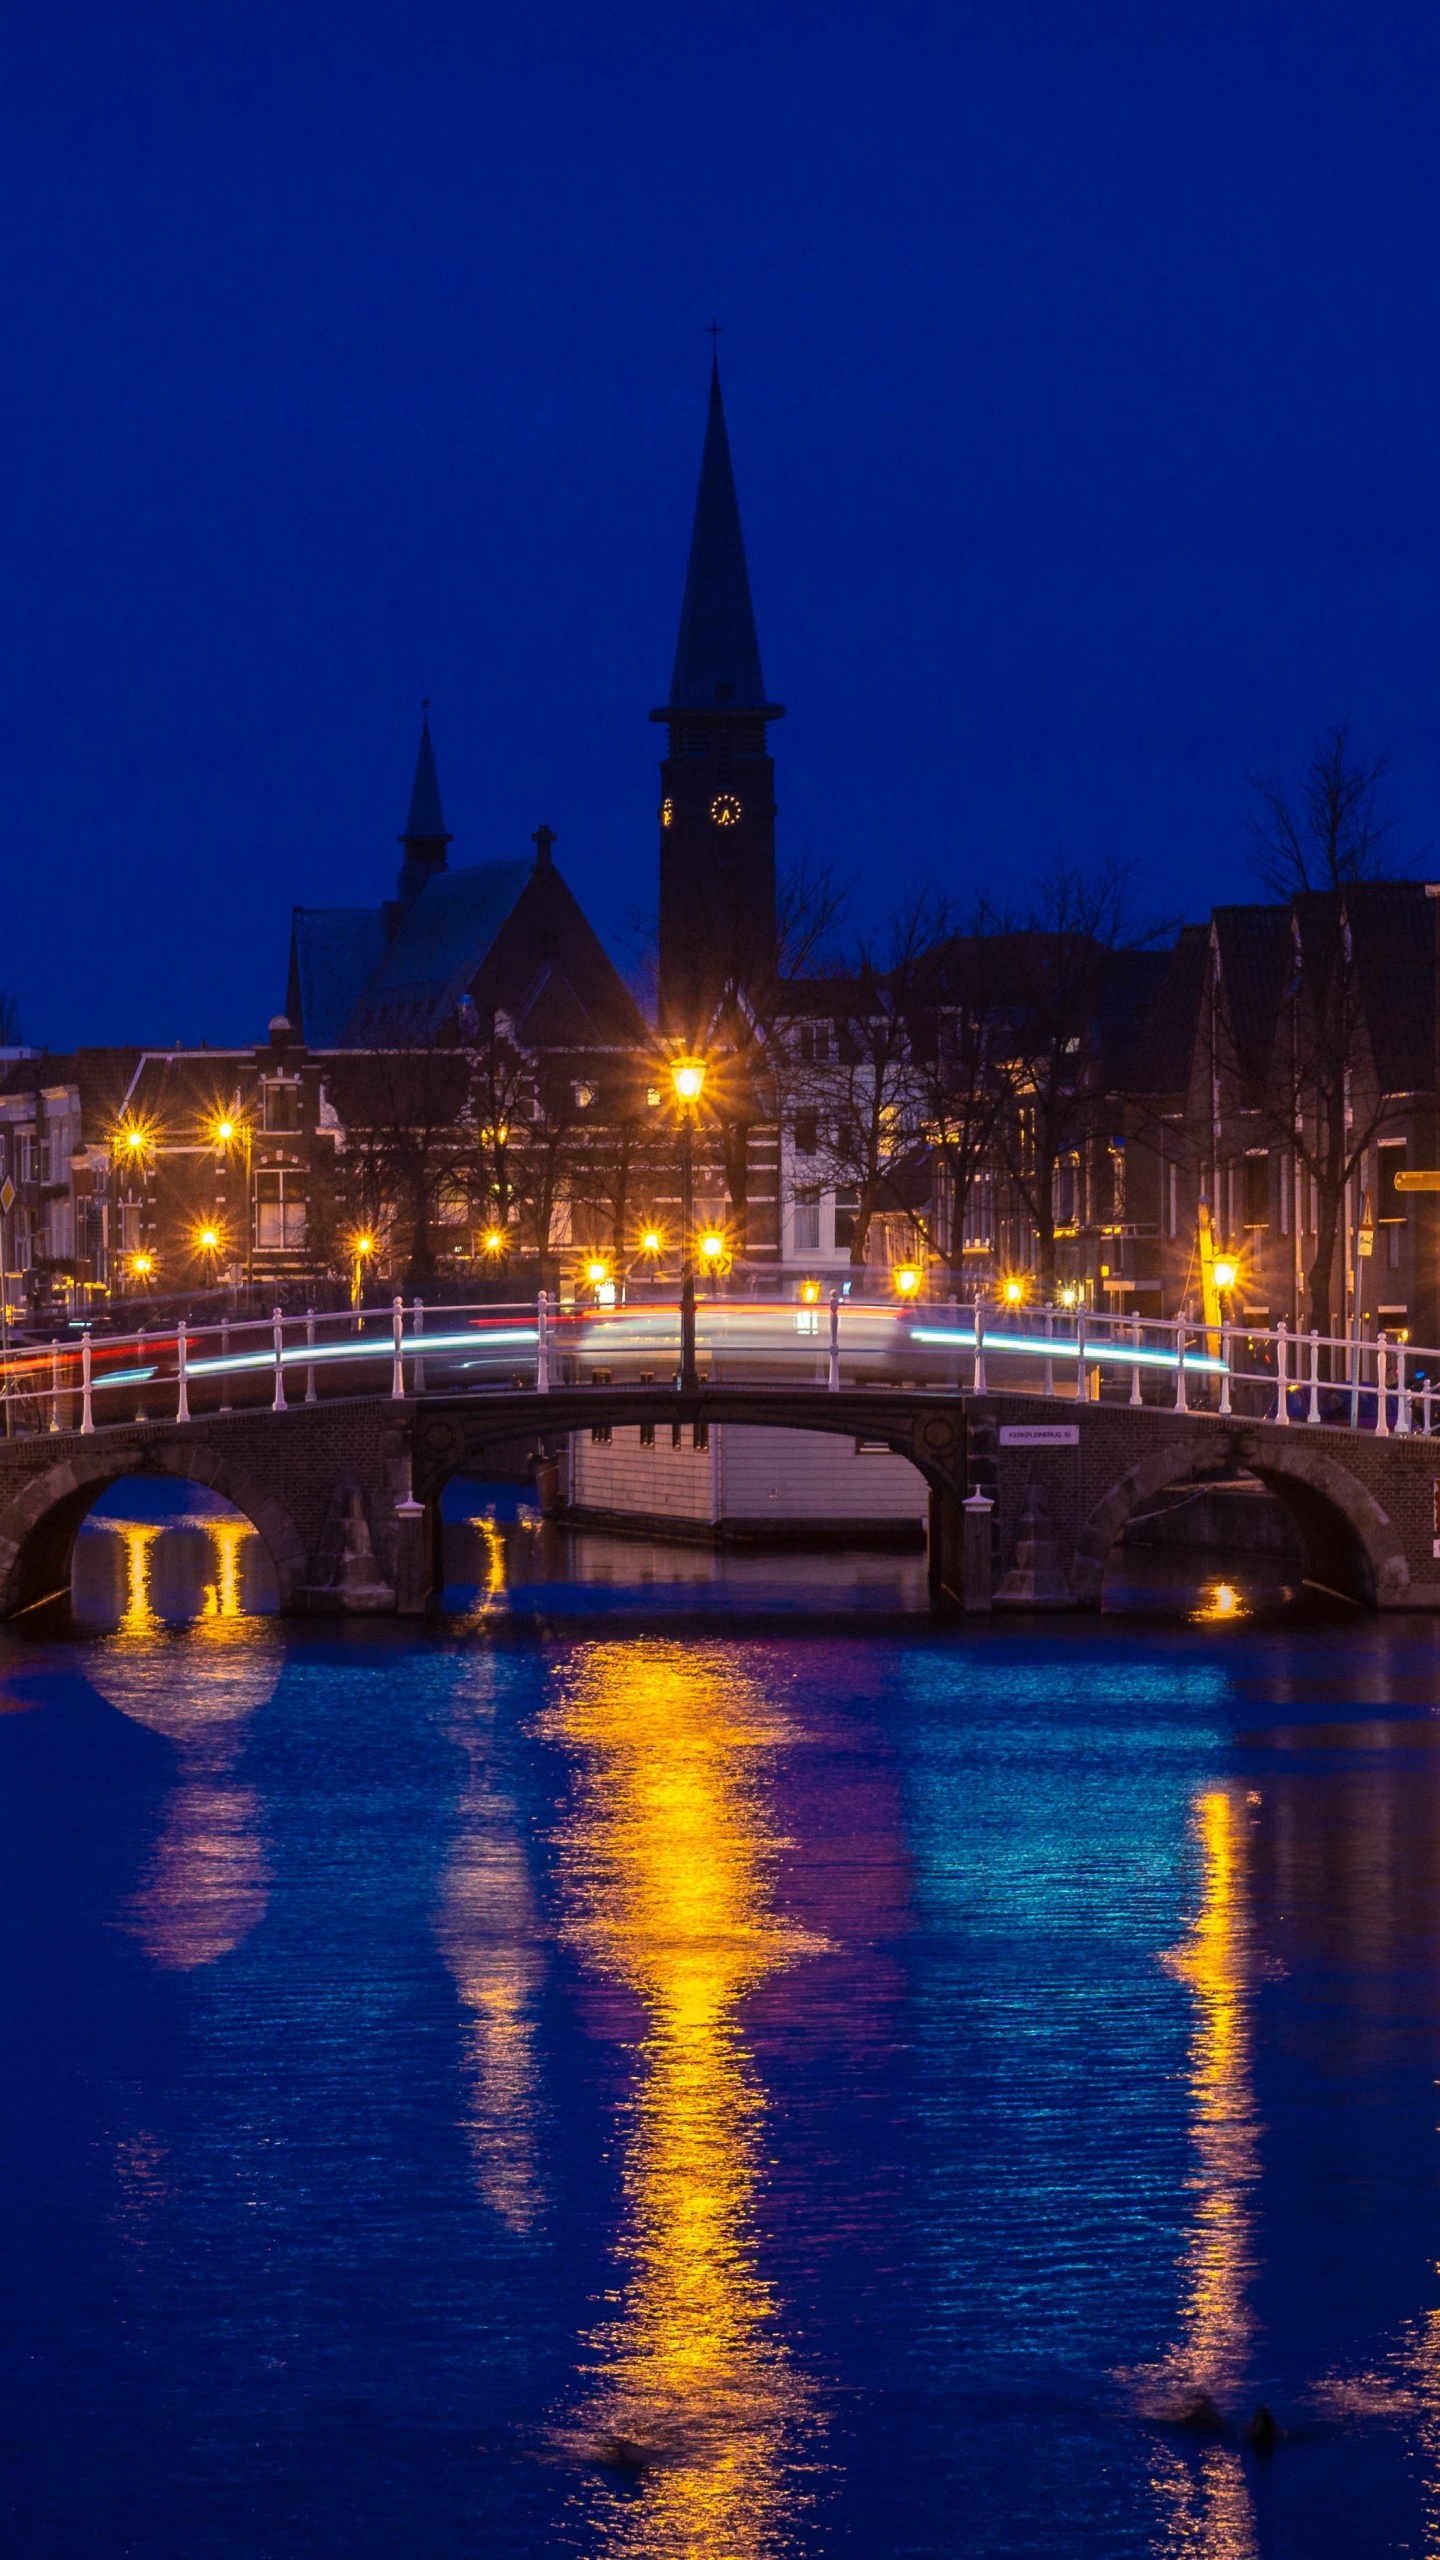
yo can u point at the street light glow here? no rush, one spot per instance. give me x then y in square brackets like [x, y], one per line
[209, 1240]
[712, 1246]
[907, 1279]
[1014, 1293]
[809, 1292]
[688, 1077]
[494, 1240]
[650, 1241]
[1226, 1274]
[141, 1265]
[596, 1273]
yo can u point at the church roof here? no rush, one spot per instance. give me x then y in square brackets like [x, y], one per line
[436, 952]
[717, 656]
[333, 951]
[427, 819]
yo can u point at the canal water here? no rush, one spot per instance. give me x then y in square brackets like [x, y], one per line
[561, 2083]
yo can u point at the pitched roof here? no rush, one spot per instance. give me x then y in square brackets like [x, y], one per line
[440, 945]
[1257, 948]
[333, 952]
[717, 655]
[1156, 1057]
[1393, 926]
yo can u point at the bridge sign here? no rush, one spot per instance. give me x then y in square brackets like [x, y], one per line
[1039, 1435]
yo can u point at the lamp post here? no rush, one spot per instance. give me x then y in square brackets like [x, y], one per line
[688, 1077]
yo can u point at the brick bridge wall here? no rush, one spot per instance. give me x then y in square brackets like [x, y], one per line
[329, 1486]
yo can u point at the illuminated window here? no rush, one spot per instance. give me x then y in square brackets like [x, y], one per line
[279, 1212]
[807, 1221]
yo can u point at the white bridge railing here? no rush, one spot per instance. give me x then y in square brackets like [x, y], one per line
[177, 1370]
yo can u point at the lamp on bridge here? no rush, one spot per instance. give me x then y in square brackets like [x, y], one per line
[907, 1279]
[1226, 1275]
[494, 1241]
[361, 1251]
[687, 1075]
[142, 1266]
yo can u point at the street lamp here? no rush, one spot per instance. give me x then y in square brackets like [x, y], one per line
[1226, 1275]
[688, 1078]
[907, 1279]
[361, 1250]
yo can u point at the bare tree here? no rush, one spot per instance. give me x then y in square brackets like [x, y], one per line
[1328, 833]
[867, 1097]
[1322, 847]
[1057, 963]
[404, 1112]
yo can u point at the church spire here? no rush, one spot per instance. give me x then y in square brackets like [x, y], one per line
[717, 655]
[426, 835]
[717, 782]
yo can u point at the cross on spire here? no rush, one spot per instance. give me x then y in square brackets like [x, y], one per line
[542, 840]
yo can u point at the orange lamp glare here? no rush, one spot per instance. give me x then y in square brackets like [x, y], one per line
[688, 1077]
[494, 1240]
[596, 1273]
[809, 1292]
[712, 1246]
[1014, 1292]
[650, 1241]
[1226, 1274]
[209, 1240]
[907, 1279]
[141, 1265]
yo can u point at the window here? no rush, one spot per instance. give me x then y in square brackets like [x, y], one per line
[1392, 1158]
[282, 1106]
[814, 1044]
[27, 1153]
[1257, 1188]
[847, 1213]
[280, 1211]
[807, 1221]
[807, 1133]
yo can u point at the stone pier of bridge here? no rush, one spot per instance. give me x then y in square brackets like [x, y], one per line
[346, 1493]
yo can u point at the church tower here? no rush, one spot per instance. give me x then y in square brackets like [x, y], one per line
[426, 838]
[717, 783]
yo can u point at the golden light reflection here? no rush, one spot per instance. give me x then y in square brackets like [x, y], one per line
[205, 1884]
[1218, 1600]
[488, 1931]
[668, 1865]
[1205, 2501]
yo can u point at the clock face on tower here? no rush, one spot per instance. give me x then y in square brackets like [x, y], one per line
[726, 810]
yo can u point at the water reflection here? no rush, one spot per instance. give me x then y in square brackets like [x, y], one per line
[1205, 2505]
[488, 1932]
[668, 1862]
[205, 1885]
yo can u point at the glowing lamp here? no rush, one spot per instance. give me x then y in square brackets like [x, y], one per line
[688, 1077]
[1067, 1297]
[1226, 1274]
[809, 1292]
[1014, 1292]
[209, 1240]
[141, 1265]
[494, 1241]
[650, 1241]
[596, 1274]
[224, 1132]
[364, 1245]
[711, 1247]
[907, 1279]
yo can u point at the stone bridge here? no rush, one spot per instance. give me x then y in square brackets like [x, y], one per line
[346, 1493]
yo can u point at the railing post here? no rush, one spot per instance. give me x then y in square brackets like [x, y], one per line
[417, 1366]
[1135, 1395]
[54, 1384]
[1282, 1373]
[979, 1381]
[1080, 1356]
[182, 1383]
[1313, 1414]
[1382, 1417]
[1049, 1361]
[1402, 1395]
[833, 1377]
[225, 1404]
[542, 1344]
[87, 1411]
[1225, 1366]
[311, 1391]
[1426, 1394]
[1181, 1400]
[279, 1327]
[397, 1329]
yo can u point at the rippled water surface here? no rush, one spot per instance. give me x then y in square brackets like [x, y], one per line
[740, 2097]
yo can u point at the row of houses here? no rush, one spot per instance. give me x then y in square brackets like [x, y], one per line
[510, 1116]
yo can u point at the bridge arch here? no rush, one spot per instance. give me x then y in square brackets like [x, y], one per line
[1351, 1544]
[40, 1523]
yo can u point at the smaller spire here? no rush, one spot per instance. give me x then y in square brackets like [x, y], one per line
[426, 822]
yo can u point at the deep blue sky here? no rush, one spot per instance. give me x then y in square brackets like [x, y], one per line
[1083, 384]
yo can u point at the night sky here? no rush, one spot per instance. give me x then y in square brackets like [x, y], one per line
[1083, 386]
